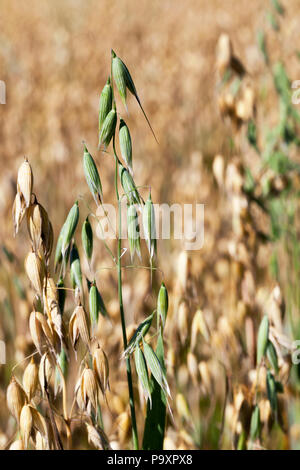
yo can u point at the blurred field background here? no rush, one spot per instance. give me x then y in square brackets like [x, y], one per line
[54, 58]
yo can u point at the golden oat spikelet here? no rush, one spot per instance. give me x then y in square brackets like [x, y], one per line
[30, 379]
[25, 182]
[26, 424]
[35, 271]
[16, 398]
[101, 368]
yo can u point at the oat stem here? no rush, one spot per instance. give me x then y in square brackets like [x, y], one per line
[122, 315]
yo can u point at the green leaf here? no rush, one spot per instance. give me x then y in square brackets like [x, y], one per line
[255, 423]
[156, 368]
[156, 415]
[142, 372]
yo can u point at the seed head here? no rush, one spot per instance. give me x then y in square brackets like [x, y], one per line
[133, 231]
[69, 227]
[19, 209]
[76, 274]
[92, 176]
[25, 182]
[150, 226]
[35, 270]
[78, 327]
[87, 239]
[108, 128]
[41, 332]
[125, 145]
[26, 424]
[40, 442]
[89, 388]
[162, 304]
[45, 371]
[97, 437]
[30, 379]
[105, 103]
[129, 186]
[101, 368]
[16, 398]
[17, 445]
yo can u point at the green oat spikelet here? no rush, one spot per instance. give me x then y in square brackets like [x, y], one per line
[96, 304]
[93, 305]
[105, 103]
[75, 269]
[123, 81]
[133, 231]
[92, 176]
[108, 128]
[125, 145]
[69, 227]
[87, 239]
[129, 186]
[162, 304]
[150, 226]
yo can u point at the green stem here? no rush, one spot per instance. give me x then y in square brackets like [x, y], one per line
[128, 365]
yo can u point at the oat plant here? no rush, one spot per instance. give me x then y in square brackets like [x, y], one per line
[38, 397]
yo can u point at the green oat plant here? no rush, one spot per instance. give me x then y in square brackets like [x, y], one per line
[146, 360]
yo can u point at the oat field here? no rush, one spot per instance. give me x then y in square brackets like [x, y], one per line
[111, 112]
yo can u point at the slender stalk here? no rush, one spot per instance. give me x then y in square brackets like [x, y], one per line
[122, 314]
[120, 295]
